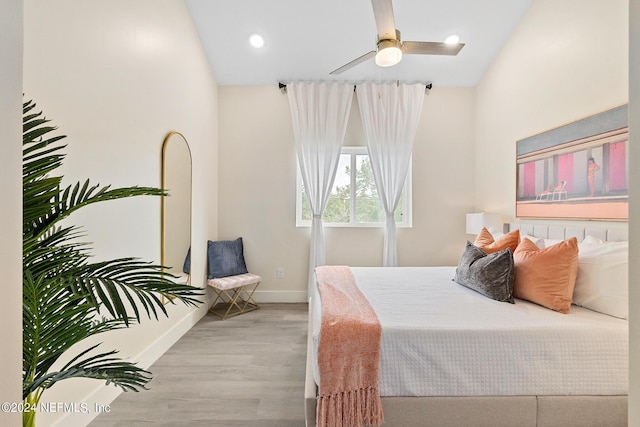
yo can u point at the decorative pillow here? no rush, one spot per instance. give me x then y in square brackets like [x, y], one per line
[546, 276]
[602, 283]
[226, 258]
[491, 275]
[186, 267]
[486, 242]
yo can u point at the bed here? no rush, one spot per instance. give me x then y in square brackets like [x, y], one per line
[450, 356]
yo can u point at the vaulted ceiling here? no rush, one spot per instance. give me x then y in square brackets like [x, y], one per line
[307, 39]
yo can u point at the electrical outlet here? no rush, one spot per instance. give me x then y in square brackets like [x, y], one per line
[280, 273]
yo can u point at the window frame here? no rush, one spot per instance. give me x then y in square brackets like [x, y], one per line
[354, 151]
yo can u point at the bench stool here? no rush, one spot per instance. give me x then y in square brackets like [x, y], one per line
[234, 294]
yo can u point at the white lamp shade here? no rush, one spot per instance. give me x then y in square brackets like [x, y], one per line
[488, 220]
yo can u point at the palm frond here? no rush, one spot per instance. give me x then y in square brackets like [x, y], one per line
[136, 280]
[39, 216]
[77, 196]
[56, 253]
[54, 319]
[102, 366]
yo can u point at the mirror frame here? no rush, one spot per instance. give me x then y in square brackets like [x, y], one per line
[163, 207]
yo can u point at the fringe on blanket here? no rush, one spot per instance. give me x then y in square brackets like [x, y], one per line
[354, 408]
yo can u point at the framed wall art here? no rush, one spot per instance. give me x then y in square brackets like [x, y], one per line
[576, 171]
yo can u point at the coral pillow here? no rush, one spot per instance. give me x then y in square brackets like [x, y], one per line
[546, 276]
[486, 242]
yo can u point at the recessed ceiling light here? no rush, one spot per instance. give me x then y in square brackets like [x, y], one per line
[256, 40]
[452, 39]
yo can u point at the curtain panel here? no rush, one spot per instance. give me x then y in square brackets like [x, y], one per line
[390, 115]
[319, 113]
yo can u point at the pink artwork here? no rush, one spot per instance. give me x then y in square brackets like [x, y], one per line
[577, 171]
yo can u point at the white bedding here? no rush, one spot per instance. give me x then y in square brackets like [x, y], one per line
[442, 339]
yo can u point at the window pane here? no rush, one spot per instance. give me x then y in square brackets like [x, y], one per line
[365, 205]
[368, 206]
[338, 209]
[306, 208]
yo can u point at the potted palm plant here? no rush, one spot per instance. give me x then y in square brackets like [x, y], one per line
[66, 296]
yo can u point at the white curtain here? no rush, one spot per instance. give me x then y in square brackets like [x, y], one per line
[390, 115]
[319, 113]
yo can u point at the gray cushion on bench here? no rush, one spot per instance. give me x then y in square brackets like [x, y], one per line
[226, 258]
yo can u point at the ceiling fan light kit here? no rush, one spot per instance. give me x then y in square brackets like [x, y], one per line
[389, 53]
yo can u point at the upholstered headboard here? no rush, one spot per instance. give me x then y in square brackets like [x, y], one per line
[551, 231]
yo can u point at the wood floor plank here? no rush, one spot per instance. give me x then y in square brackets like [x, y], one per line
[246, 371]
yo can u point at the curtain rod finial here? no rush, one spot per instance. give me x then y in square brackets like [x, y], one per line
[282, 87]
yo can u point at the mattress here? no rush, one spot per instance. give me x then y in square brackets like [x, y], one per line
[442, 339]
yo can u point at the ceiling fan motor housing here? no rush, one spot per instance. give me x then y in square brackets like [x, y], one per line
[389, 52]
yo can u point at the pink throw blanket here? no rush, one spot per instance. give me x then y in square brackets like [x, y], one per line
[348, 353]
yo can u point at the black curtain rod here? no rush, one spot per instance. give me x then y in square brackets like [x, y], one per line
[283, 87]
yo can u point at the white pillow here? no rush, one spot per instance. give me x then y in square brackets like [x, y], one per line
[495, 234]
[539, 242]
[550, 242]
[602, 283]
[591, 240]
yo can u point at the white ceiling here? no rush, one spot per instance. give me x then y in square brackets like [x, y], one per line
[307, 39]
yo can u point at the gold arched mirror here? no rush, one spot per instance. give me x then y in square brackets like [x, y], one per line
[176, 206]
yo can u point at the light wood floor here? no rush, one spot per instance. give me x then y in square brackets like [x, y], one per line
[244, 371]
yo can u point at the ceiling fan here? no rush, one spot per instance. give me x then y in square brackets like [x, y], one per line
[390, 48]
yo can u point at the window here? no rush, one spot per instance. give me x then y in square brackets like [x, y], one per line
[354, 200]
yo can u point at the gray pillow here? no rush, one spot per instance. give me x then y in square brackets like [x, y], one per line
[226, 258]
[491, 275]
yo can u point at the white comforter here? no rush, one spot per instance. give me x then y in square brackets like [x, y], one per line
[442, 339]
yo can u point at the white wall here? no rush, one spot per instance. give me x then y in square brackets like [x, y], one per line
[257, 191]
[565, 60]
[116, 77]
[11, 207]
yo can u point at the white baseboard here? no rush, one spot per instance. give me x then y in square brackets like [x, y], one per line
[280, 296]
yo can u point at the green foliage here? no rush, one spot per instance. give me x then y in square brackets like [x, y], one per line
[368, 206]
[66, 297]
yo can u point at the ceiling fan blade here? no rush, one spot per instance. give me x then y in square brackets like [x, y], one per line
[431, 48]
[355, 62]
[383, 13]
